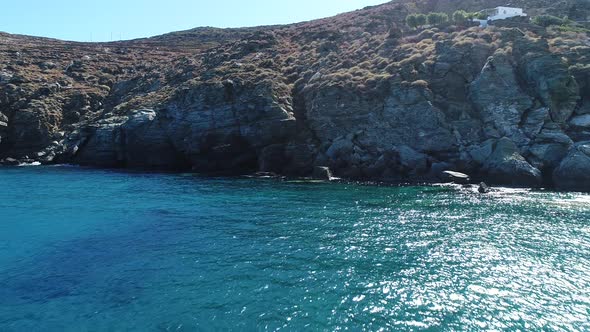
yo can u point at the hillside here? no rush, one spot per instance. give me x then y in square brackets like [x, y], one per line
[360, 92]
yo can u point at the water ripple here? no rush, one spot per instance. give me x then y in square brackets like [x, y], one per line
[179, 252]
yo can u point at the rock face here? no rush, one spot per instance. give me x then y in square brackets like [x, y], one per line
[209, 128]
[3, 126]
[501, 109]
[550, 79]
[506, 166]
[508, 105]
[484, 188]
[574, 171]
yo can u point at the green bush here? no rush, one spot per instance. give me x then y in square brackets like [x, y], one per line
[460, 17]
[437, 18]
[412, 21]
[481, 16]
[421, 19]
[416, 20]
[548, 20]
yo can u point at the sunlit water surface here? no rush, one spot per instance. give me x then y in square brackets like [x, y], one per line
[111, 251]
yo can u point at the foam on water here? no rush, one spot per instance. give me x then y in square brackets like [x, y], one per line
[84, 249]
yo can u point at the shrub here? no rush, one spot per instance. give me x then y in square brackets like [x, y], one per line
[416, 20]
[421, 19]
[548, 20]
[481, 16]
[412, 21]
[460, 17]
[572, 28]
[437, 18]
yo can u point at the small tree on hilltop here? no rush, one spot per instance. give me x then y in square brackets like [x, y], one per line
[460, 17]
[421, 19]
[412, 21]
[432, 19]
[437, 18]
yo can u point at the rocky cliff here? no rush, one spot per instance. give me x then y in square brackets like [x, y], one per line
[359, 92]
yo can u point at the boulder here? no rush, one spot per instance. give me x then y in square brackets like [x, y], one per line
[574, 171]
[547, 156]
[506, 166]
[480, 153]
[484, 188]
[549, 148]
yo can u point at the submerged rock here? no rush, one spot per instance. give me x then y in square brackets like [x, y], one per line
[484, 188]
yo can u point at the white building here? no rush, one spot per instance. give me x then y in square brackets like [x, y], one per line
[502, 13]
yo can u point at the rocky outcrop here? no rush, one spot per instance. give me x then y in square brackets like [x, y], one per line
[548, 148]
[549, 78]
[3, 126]
[574, 171]
[357, 93]
[507, 167]
[368, 136]
[499, 100]
[207, 127]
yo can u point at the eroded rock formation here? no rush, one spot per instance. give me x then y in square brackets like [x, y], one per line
[357, 93]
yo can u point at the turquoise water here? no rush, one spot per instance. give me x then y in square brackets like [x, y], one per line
[91, 250]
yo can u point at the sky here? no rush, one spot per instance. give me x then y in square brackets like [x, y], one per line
[105, 20]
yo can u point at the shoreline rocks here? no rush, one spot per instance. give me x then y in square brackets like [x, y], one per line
[573, 172]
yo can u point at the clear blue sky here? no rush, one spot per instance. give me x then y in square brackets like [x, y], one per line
[82, 20]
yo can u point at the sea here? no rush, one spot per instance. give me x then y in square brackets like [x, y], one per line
[84, 249]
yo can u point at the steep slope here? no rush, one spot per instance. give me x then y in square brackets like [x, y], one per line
[359, 92]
